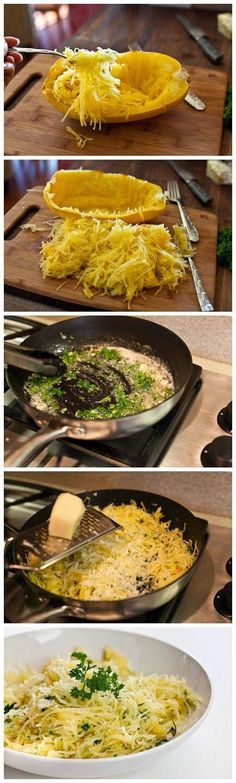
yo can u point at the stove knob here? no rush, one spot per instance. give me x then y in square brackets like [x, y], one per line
[228, 414]
[224, 418]
[220, 452]
[226, 597]
[223, 601]
[229, 566]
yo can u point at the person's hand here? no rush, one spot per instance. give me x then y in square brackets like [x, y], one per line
[10, 58]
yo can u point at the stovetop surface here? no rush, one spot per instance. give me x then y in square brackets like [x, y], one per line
[194, 604]
[176, 441]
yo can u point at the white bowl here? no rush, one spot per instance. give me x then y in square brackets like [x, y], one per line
[147, 655]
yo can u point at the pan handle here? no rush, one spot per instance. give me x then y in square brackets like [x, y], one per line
[57, 611]
[23, 453]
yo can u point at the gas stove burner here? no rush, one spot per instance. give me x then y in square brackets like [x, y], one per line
[229, 566]
[218, 453]
[223, 601]
[224, 418]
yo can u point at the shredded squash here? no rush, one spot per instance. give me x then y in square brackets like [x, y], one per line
[81, 140]
[106, 196]
[146, 555]
[113, 257]
[104, 86]
[181, 240]
[43, 718]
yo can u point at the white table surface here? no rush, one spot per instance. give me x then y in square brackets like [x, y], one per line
[207, 754]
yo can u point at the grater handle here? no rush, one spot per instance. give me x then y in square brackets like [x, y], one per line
[8, 565]
[7, 544]
[18, 568]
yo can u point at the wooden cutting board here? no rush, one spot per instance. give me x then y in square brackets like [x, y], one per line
[22, 261]
[33, 127]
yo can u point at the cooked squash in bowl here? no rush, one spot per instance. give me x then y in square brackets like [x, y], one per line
[104, 86]
[104, 196]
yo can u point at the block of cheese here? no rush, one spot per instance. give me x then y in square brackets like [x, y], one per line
[66, 515]
[224, 25]
[219, 171]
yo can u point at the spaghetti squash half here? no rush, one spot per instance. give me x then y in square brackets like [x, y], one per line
[75, 194]
[104, 86]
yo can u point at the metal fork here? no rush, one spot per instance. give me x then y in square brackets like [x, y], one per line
[192, 99]
[175, 196]
[28, 50]
[204, 302]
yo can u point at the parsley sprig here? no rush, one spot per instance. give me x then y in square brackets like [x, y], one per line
[9, 707]
[100, 680]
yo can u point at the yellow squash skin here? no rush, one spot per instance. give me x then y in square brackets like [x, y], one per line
[139, 68]
[104, 196]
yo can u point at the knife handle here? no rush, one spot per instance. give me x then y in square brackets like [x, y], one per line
[210, 51]
[199, 192]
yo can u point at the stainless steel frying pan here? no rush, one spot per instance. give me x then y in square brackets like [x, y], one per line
[133, 333]
[195, 530]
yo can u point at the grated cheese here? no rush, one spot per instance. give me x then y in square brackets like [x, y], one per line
[113, 257]
[146, 555]
[48, 721]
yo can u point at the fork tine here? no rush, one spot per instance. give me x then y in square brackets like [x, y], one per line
[135, 47]
[177, 190]
[170, 189]
[173, 190]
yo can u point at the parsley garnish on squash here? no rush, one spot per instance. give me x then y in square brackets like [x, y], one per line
[100, 680]
[9, 707]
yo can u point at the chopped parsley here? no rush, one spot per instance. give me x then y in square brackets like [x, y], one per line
[8, 707]
[224, 247]
[111, 354]
[228, 110]
[101, 680]
[98, 383]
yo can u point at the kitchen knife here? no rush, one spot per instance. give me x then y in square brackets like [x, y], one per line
[201, 38]
[192, 183]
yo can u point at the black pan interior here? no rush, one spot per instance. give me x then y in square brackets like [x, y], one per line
[180, 518]
[134, 333]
